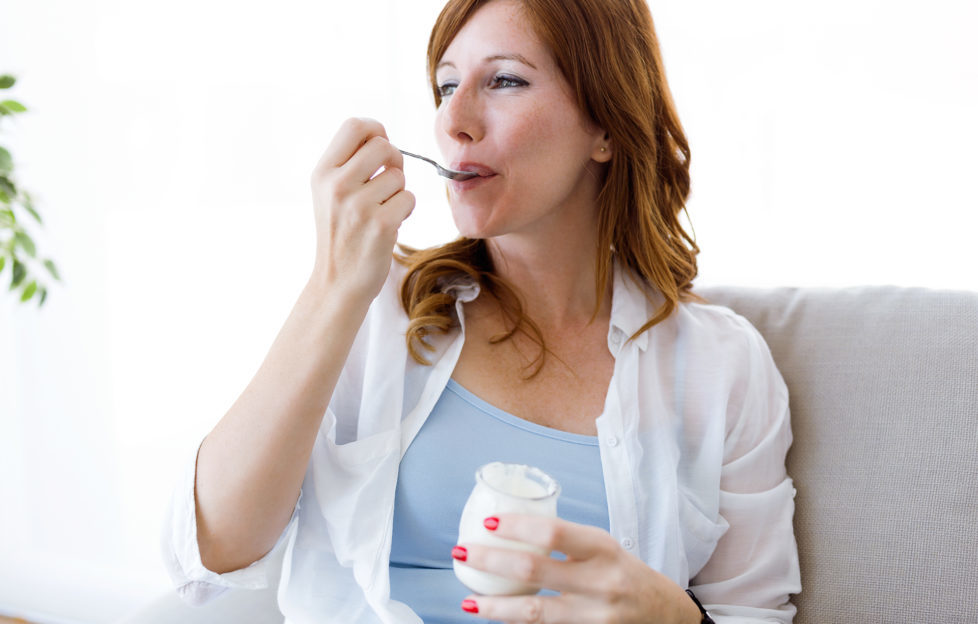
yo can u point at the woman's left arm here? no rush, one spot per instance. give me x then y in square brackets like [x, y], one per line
[598, 582]
[754, 568]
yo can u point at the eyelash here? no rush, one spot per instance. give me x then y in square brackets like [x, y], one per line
[511, 82]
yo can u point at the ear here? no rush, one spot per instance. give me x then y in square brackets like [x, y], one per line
[602, 149]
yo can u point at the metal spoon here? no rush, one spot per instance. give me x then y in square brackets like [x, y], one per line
[451, 174]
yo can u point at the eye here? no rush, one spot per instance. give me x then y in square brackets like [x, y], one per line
[505, 81]
[447, 88]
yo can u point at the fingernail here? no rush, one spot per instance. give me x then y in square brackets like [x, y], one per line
[460, 553]
[469, 606]
[491, 523]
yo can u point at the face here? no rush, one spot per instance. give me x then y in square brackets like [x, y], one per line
[508, 113]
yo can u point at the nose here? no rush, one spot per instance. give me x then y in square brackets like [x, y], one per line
[461, 115]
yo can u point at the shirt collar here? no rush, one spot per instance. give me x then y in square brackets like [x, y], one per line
[630, 308]
[462, 287]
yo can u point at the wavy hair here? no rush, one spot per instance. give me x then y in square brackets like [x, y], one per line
[608, 52]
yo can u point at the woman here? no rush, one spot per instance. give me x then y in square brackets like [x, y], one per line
[559, 331]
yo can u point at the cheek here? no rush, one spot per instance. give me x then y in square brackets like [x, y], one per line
[532, 132]
[441, 139]
[557, 123]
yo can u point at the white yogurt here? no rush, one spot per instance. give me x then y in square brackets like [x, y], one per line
[503, 488]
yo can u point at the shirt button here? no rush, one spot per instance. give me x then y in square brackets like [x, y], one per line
[612, 441]
[627, 543]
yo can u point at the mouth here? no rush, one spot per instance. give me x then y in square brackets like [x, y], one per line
[478, 168]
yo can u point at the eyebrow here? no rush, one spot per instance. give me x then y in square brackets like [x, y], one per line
[519, 58]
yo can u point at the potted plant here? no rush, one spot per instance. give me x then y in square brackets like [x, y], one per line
[17, 248]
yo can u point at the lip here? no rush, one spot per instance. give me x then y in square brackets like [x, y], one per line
[484, 171]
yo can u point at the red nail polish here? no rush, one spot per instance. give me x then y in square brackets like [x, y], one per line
[491, 523]
[469, 606]
[460, 553]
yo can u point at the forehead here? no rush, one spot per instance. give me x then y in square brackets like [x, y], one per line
[497, 28]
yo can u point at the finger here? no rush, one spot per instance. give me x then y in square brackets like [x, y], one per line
[352, 134]
[377, 152]
[400, 206]
[577, 541]
[529, 568]
[533, 609]
[384, 185]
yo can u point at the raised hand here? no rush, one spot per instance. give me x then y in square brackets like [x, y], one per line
[358, 210]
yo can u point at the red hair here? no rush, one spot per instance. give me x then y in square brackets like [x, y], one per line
[608, 52]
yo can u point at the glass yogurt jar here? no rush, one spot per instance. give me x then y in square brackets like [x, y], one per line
[502, 488]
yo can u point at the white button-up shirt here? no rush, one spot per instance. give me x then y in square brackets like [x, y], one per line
[693, 439]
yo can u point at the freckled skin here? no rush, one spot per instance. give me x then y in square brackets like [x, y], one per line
[532, 135]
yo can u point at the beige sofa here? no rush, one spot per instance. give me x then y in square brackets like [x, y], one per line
[884, 399]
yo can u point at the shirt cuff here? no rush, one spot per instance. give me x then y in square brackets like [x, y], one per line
[195, 584]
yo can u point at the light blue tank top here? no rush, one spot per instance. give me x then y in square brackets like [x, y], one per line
[462, 433]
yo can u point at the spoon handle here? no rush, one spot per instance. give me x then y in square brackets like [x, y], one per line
[451, 174]
[427, 160]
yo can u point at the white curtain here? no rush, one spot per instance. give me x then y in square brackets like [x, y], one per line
[170, 144]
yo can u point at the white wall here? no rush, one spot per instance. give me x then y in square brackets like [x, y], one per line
[170, 143]
[832, 141]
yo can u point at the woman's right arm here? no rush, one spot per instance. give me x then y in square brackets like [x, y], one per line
[251, 466]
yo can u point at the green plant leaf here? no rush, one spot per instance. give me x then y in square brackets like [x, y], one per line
[6, 162]
[3, 261]
[8, 188]
[52, 269]
[5, 111]
[14, 106]
[28, 203]
[7, 81]
[26, 243]
[20, 272]
[43, 298]
[29, 292]
[7, 218]
[29, 207]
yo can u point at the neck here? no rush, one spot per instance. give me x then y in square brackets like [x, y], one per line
[554, 273]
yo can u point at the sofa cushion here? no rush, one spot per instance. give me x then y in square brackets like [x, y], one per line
[884, 401]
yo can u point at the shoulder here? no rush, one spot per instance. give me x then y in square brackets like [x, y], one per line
[715, 315]
[727, 348]
[720, 329]
[690, 324]
[757, 396]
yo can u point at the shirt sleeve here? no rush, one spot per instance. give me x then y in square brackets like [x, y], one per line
[754, 568]
[195, 584]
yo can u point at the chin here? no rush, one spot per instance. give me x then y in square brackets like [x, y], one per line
[469, 225]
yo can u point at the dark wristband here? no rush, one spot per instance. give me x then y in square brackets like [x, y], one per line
[706, 616]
